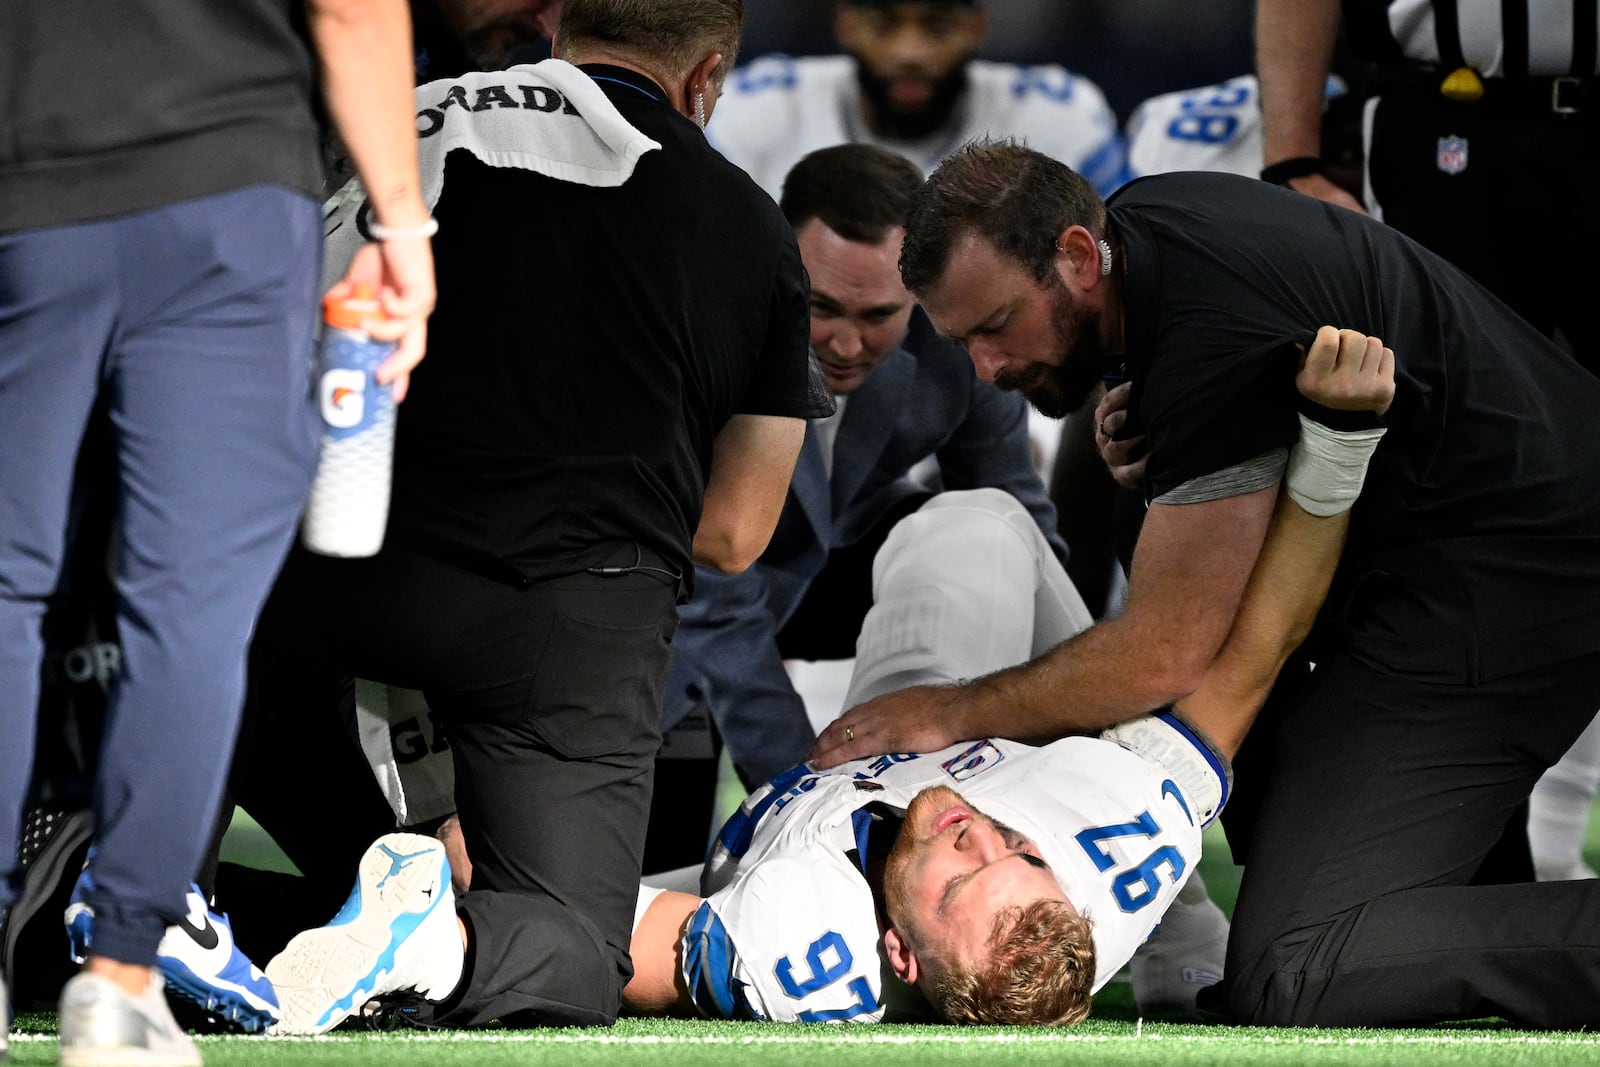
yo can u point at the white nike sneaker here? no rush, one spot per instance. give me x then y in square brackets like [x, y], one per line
[1183, 956]
[397, 931]
[101, 1026]
[198, 959]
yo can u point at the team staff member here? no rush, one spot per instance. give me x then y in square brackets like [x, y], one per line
[621, 387]
[1459, 653]
[158, 250]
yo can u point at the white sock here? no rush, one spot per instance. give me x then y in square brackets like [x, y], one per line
[1558, 809]
[647, 896]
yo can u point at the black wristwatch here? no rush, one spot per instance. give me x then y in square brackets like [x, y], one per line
[1283, 171]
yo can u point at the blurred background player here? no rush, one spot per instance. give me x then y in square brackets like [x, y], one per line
[909, 82]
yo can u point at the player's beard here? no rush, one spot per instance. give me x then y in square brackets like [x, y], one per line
[1059, 390]
[896, 875]
[899, 123]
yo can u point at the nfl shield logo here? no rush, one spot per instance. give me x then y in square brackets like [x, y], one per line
[977, 757]
[1452, 154]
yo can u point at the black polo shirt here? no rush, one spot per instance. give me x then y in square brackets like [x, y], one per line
[1474, 550]
[587, 346]
[116, 108]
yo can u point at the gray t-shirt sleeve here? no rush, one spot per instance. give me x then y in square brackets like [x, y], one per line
[1257, 473]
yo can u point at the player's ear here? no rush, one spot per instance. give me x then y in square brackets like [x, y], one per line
[901, 956]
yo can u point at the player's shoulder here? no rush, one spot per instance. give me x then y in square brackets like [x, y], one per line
[1236, 93]
[777, 108]
[776, 77]
[1213, 127]
[1043, 89]
[793, 938]
[1051, 110]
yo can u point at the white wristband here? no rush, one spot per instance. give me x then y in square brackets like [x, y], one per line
[400, 233]
[1327, 467]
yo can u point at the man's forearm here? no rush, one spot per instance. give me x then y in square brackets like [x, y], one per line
[1026, 702]
[1294, 50]
[1189, 574]
[1280, 604]
[1345, 370]
[364, 47]
[752, 464]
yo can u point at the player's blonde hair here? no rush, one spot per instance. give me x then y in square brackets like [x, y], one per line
[1039, 971]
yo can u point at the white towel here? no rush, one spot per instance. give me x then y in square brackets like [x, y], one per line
[547, 117]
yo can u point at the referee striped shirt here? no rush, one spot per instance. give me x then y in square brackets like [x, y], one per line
[1498, 38]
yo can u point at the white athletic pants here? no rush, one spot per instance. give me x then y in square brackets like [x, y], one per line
[964, 586]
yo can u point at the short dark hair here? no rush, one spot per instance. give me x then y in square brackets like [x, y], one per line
[675, 34]
[859, 191]
[1017, 199]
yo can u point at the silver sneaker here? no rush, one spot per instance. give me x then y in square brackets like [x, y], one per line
[101, 1026]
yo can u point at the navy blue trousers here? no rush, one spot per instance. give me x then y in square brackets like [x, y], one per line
[189, 328]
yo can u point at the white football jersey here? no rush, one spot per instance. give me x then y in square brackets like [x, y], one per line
[1217, 127]
[777, 109]
[1214, 128]
[789, 930]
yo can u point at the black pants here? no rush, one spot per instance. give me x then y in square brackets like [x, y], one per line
[1382, 799]
[550, 696]
[1511, 149]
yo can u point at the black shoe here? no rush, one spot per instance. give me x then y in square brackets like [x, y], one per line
[33, 951]
[406, 1010]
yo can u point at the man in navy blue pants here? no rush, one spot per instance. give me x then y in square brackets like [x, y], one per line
[160, 243]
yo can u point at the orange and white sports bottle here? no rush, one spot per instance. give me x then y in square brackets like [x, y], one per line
[349, 504]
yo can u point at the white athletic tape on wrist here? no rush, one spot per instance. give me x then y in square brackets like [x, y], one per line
[1327, 467]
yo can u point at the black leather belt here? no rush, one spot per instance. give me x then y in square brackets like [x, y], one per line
[1563, 95]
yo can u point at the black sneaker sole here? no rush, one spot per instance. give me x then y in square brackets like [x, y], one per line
[33, 949]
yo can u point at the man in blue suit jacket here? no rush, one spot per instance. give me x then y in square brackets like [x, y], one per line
[860, 471]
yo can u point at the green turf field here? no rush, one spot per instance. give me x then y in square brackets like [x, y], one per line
[1112, 1036]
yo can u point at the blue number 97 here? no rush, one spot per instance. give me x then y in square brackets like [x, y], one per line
[824, 974]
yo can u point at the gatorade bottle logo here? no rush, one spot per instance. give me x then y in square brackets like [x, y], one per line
[344, 398]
